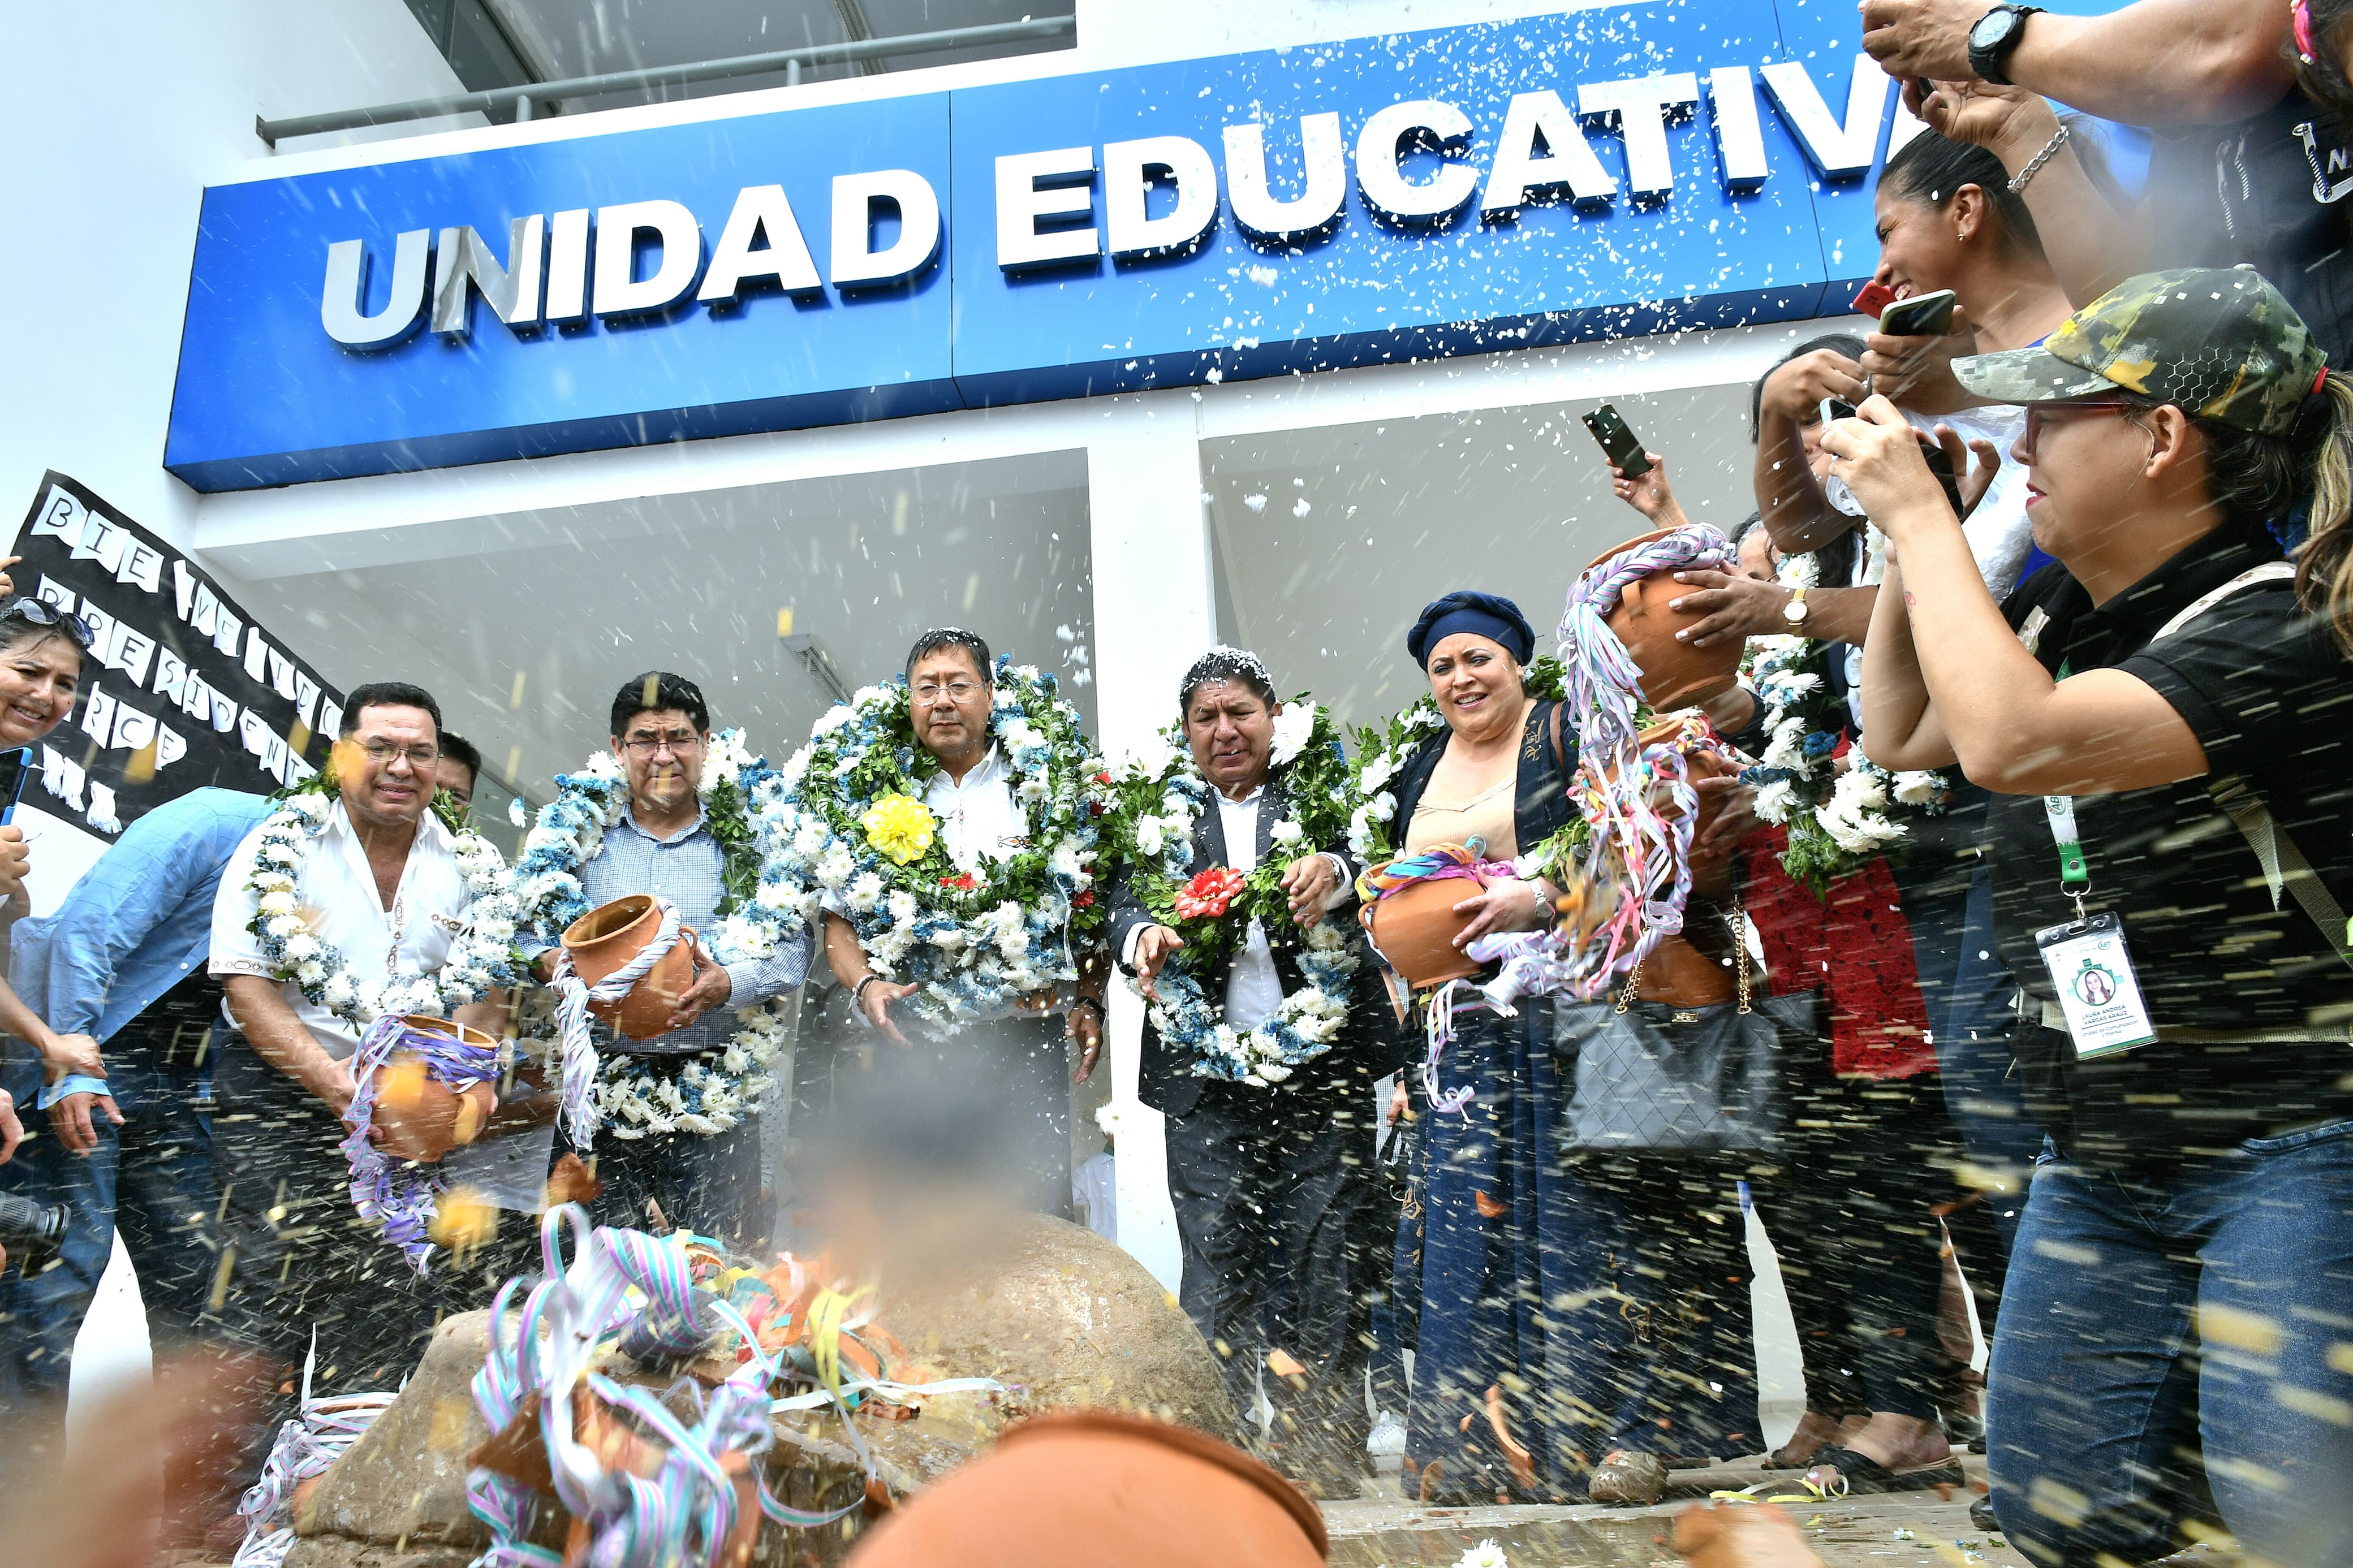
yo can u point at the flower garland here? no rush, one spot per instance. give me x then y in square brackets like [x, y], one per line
[760, 910]
[1158, 794]
[851, 820]
[1836, 818]
[1381, 752]
[481, 955]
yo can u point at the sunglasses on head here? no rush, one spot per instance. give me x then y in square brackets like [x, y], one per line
[47, 616]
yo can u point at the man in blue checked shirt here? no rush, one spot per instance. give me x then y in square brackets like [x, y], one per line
[120, 969]
[710, 1184]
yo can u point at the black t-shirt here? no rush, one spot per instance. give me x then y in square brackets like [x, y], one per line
[2269, 696]
[2266, 191]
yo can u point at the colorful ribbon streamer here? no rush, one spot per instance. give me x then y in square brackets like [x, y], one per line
[305, 1447]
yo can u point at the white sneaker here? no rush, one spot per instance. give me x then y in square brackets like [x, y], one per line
[1388, 1435]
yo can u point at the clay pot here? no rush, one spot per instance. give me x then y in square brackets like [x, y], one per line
[1681, 975]
[1414, 930]
[606, 938]
[1674, 674]
[420, 1117]
[1094, 1487]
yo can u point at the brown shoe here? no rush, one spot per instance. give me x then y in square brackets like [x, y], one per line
[1622, 1477]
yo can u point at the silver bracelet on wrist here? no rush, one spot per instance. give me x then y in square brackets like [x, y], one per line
[2034, 164]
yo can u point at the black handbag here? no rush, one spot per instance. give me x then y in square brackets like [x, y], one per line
[1652, 1076]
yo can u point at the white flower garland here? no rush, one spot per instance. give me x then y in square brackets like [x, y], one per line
[741, 798]
[482, 954]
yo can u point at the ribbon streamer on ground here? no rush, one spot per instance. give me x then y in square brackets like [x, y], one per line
[306, 1446]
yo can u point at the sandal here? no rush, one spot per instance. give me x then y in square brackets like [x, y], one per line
[1859, 1475]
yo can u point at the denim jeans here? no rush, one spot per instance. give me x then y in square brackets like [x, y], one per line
[2178, 1345]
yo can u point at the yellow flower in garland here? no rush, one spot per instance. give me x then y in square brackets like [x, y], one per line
[901, 826]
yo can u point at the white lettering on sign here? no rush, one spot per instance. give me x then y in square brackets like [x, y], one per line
[569, 266]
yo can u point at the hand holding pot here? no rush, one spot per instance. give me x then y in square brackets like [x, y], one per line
[1504, 904]
[711, 986]
[1738, 608]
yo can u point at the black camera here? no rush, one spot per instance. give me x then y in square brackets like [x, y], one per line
[27, 1228]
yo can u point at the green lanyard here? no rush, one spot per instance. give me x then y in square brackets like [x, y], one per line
[2075, 876]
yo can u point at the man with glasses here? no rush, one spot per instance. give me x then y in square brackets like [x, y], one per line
[1003, 1092]
[661, 735]
[381, 885]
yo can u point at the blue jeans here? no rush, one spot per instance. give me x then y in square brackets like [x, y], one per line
[151, 1179]
[2175, 1349]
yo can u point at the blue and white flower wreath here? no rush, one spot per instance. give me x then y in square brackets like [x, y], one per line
[972, 943]
[741, 796]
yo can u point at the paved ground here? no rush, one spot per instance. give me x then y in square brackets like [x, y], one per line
[1913, 1529]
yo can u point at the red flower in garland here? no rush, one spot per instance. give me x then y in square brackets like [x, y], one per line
[1208, 893]
[1085, 901]
[963, 884]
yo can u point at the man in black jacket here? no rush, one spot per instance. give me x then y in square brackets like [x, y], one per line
[1278, 1205]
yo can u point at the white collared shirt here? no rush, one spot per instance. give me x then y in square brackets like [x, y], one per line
[977, 816]
[337, 895]
[1253, 990]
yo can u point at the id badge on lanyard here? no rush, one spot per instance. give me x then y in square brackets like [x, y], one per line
[2090, 965]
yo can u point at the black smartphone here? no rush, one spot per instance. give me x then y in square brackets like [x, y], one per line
[1835, 408]
[1921, 316]
[14, 768]
[1623, 448]
[1942, 467]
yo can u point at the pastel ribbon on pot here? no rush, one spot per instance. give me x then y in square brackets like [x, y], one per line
[1638, 838]
[578, 1108]
[1440, 1007]
[394, 1193]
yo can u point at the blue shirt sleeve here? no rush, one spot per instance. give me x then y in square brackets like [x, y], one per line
[169, 854]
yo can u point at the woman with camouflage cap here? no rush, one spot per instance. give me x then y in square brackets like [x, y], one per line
[2166, 715]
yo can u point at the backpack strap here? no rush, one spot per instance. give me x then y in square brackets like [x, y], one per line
[2284, 867]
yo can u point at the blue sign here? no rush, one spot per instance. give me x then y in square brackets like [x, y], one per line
[1602, 173]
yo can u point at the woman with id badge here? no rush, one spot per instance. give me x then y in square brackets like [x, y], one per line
[2166, 718]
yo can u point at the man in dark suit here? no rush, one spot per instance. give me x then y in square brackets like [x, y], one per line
[1281, 1213]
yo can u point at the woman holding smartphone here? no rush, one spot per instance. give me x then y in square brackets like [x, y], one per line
[2161, 717]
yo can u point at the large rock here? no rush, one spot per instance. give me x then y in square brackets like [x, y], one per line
[1061, 1316]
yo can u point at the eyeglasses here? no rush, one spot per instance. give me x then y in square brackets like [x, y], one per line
[2300, 20]
[930, 693]
[382, 752]
[41, 613]
[653, 745]
[2038, 414]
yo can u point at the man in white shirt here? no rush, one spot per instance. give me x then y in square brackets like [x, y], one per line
[1001, 1098]
[1278, 1205]
[381, 886]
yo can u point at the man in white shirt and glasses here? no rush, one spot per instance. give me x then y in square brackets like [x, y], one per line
[380, 885]
[1004, 1098]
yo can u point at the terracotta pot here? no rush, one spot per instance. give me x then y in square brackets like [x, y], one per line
[1414, 928]
[421, 1117]
[1681, 975]
[606, 938]
[1096, 1487]
[1674, 674]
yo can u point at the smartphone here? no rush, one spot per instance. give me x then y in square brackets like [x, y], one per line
[1624, 448]
[1921, 316]
[1835, 408]
[1872, 299]
[1942, 467]
[15, 766]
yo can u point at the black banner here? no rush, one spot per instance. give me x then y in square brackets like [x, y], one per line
[180, 688]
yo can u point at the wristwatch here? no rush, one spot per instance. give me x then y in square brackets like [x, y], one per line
[1995, 36]
[1794, 611]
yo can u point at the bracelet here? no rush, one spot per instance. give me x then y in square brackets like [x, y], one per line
[857, 992]
[2034, 164]
[1079, 1001]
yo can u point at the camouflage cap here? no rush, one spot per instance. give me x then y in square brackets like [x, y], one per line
[2220, 344]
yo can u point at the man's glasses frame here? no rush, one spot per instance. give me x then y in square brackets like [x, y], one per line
[653, 745]
[382, 754]
[930, 693]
